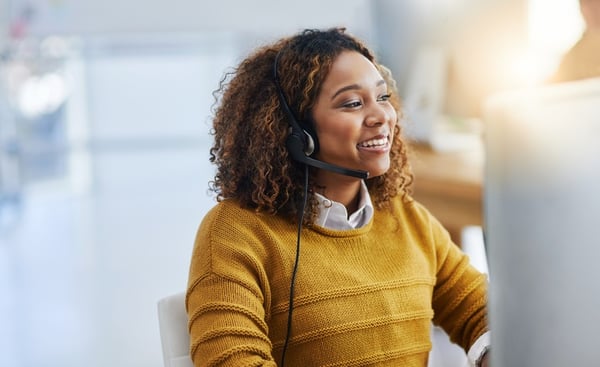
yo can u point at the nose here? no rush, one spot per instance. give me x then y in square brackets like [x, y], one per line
[378, 114]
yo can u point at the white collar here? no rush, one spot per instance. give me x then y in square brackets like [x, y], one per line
[333, 215]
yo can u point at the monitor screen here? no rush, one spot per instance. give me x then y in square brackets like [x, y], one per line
[542, 224]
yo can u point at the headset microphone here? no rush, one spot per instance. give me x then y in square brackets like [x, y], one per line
[295, 147]
[301, 144]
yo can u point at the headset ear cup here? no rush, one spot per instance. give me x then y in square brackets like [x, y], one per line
[300, 143]
[296, 144]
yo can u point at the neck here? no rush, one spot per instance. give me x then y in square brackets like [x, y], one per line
[342, 190]
[593, 30]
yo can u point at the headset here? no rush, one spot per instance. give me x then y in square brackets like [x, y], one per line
[301, 143]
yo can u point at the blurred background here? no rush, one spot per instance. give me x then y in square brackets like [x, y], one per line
[104, 119]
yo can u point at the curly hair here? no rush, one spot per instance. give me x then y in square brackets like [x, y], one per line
[250, 128]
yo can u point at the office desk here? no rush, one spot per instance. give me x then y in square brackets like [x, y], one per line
[449, 185]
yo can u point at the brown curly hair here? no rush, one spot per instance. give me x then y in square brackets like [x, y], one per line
[250, 128]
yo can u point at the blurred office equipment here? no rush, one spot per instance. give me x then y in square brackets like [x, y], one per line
[425, 92]
[542, 206]
[115, 181]
[10, 180]
[450, 185]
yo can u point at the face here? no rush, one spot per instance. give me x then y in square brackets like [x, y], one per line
[353, 117]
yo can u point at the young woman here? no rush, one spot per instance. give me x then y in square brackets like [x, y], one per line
[316, 254]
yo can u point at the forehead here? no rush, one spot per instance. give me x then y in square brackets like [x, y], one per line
[351, 67]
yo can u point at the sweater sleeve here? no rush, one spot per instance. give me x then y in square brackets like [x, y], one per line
[460, 294]
[226, 304]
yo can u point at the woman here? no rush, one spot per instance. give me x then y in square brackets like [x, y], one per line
[316, 254]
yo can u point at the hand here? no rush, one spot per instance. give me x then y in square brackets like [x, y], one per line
[485, 360]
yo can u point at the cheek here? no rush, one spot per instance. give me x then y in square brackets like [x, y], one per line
[337, 130]
[393, 124]
[336, 140]
[393, 115]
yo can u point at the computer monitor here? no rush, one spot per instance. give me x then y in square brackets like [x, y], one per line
[542, 224]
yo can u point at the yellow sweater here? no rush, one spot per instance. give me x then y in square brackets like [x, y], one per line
[363, 297]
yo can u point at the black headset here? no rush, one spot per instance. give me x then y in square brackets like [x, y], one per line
[302, 142]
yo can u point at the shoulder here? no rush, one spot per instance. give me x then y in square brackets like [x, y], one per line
[230, 227]
[228, 219]
[231, 237]
[224, 209]
[414, 218]
[410, 209]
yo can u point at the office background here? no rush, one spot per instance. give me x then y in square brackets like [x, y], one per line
[104, 122]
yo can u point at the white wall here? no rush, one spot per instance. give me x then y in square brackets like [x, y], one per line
[127, 43]
[124, 16]
[154, 90]
[3, 23]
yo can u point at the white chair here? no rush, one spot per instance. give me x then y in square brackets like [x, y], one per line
[472, 243]
[174, 336]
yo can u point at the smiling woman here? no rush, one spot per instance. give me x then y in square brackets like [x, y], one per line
[375, 267]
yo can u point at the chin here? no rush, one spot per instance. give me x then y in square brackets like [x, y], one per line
[375, 172]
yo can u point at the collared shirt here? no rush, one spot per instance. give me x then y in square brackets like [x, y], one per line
[333, 215]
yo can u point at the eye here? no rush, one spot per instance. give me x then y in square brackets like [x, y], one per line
[384, 98]
[352, 104]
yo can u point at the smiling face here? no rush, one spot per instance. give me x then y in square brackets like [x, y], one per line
[353, 117]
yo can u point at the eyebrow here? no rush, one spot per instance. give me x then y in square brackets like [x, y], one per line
[354, 86]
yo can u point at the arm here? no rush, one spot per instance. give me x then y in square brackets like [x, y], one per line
[485, 360]
[227, 300]
[460, 293]
[227, 326]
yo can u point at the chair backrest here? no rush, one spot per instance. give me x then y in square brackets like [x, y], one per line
[174, 336]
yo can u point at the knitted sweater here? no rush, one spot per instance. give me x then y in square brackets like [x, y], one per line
[362, 297]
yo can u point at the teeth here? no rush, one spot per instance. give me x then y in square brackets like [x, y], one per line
[374, 143]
